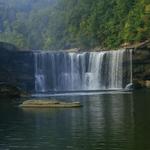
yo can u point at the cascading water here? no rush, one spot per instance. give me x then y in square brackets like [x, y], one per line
[131, 78]
[62, 71]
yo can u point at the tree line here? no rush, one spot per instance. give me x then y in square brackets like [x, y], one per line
[64, 24]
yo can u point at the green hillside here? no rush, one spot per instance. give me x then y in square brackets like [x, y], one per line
[63, 24]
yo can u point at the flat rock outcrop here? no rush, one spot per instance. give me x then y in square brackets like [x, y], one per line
[48, 104]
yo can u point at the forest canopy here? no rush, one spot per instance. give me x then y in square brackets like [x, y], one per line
[63, 24]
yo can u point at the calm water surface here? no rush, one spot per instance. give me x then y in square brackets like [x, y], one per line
[113, 121]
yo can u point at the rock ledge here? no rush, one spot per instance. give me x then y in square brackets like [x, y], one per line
[49, 104]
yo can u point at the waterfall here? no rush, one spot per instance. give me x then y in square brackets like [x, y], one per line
[131, 78]
[62, 71]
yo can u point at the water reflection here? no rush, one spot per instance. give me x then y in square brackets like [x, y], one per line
[105, 122]
[142, 119]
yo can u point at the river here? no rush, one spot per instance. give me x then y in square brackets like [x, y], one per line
[107, 121]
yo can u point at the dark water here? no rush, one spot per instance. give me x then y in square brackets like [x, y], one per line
[114, 121]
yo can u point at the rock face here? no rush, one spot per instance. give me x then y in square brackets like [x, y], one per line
[141, 67]
[16, 67]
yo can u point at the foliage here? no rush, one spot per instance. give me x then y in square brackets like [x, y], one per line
[62, 24]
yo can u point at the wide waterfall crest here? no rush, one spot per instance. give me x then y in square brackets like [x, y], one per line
[63, 71]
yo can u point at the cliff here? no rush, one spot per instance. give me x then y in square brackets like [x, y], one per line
[141, 64]
[16, 69]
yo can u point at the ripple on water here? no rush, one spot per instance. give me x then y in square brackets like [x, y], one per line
[109, 121]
